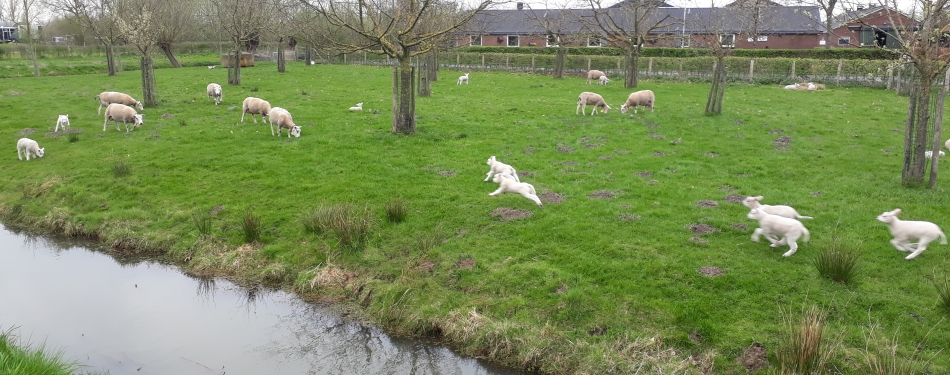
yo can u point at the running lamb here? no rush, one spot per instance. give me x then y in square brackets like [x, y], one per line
[507, 184]
[773, 226]
[904, 231]
[498, 167]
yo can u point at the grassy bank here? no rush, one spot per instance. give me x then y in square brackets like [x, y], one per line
[639, 258]
[19, 358]
[64, 66]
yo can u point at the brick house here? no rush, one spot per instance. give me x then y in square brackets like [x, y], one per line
[870, 27]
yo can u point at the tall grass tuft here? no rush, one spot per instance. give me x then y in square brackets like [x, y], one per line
[349, 223]
[20, 358]
[943, 292]
[838, 263]
[396, 210]
[251, 226]
[202, 222]
[318, 220]
[73, 137]
[804, 349]
[881, 356]
[121, 169]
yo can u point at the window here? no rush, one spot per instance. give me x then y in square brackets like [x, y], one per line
[594, 42]
[728, 40]
[760, 38]
[844, 41]
[513, 41]
[475, 40]
[553, 40]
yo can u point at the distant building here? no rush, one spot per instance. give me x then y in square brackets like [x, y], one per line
[8, 32]
[875, 26]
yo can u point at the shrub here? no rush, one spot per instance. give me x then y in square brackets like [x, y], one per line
[352, 226]
[251, 226]
[396, 210]
[202, 223]
[943, 292]
[803, 349]
[838, 264]
[121, 169]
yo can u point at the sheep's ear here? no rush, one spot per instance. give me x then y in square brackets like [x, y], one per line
[758, 198]
[896, 211]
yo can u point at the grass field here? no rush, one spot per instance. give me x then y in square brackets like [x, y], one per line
[606, 280]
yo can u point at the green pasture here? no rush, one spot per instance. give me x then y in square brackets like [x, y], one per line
[601, 282]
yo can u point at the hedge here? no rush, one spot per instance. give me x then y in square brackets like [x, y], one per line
[818, 53]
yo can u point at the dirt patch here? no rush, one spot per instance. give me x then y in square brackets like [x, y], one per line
[465, 264]
[644, 174]
[447, 173]
[168, 115]
[698, 240]
[652, 182]
[707, 203]
[738, 122]
[814, 139]
[775, 131]
[506, 213]
[744, 174]
[565, 149]
[733, 198]
[621, 151]
[739, 226]
[604, 194]
[628, 217]
[27, 131]
[604, 157]
[592, 145]
[671, 170]
[651, 124]
[658, 153]
[591, 164]
[659, 137]
[696, 338]
[727, 188]
[782, 143]
[597, 331]
[425, 266]
[525, 174]
[551, 197]
[740, 135]
[461, 233]
[216, 209]
[711, 154]
[754, 357]
[710, 271]
[560, 290]
[569, 163]
[529, 149]
[815, 193]
[584, 140]
[701, 228]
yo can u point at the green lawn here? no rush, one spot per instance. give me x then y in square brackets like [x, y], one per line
[602, 281]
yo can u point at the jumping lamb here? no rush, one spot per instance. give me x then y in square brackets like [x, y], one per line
[772, 226]
[594, 75]
[357, 107]
[636, 99]
[930, 154]
[28, 146]
[783, 211]
[63, 121]
[498, 167]
[253, 106]
[119, 112]
[282, 118]
[463, 78]
[603, 80]
[110, 97]
[589, 98]
[214, 92]
[507, 184]
[904, 231]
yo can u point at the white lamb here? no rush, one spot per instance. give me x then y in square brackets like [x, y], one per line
[904, 231]
[28, 146]
[636, 99]
[772, 226]
[588, 98]
[119, 112]
[63, 121]
[215, 92]
[603, 80]
[930, 154]
[783, 211]
[463, 78]
[507, 184]
[594, 75]
[498, 167]
[357, 107]
[282, 118]
[210, 66]
[253, 106]
[109, 97]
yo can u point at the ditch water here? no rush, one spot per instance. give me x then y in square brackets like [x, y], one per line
[142, 317]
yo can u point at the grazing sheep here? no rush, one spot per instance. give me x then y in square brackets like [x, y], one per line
[930, 154]
[254, 105]
[772, 226]
[214, 91]
[594, 75]
[783, 211]
[603, 80]
[28, 146]
[210, 66]
[63, 121]
[463, 78]
[282, 118]
[109, 97]
[636, 99]
[507, 184]
[590, 98]
[357, 107]
[119, 112]
[904, 231]
[498, 167]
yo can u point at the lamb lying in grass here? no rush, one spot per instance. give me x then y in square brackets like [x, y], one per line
[783, 211]
[930, 154]
[357, 107]
[63, 121]
[28, 146]
[508, 184]
[636, 99]
[904, 231]
[118, 112]
[588, 98]
[498, 167]
[772, 226]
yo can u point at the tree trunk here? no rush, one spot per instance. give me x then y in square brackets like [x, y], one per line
[281, 62]
[29, 36]
[937, 130]
[110, 59]
[425, 88]
[234, 67]
[307, 55]
[915, 135]
[633, 68]
[148, 81]
[717, 89]
[404, 118]
[559, 62]
[167, 49]
[433, 62]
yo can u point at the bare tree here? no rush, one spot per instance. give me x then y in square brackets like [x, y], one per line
[138, 25]
[242, 21]
[27, 4]
[628, 27]
[710, 25]
[174, 20]
[284, 26]
[828, 8]
[99, 17]
[754, 17]
[558, 24]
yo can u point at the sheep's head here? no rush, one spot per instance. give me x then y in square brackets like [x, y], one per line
[605, 108]
[63, 118]
[624, 108]
[501, 176]
[889, 217]
[138, 120]
[40, 152]
[295, 131]
[756, 214]
[752, 202]
[491, 160]
[138, 105]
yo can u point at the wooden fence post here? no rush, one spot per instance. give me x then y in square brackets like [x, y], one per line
[838, 76]
[457, 60]
[681, 68]
[890, 78]
[751, 70]
[650, 67]
[618, 63]
[588, 63]
[532, 63]
[506, 61]
[793, 71]
[483, 61]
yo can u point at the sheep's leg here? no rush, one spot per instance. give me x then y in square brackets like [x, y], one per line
[501, 189]
[242, 116]
[18, 155]
[488, 176]
[793, 247]
[921, 246]
[533, 198]
[272, 130]
[104, 124]
[578, 108]
[901, 245]
[756, 233]
[775, 241]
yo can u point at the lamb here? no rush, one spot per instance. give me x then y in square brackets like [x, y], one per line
[357, 107]
[773, 225]
[904, 231]
[119, 112]
[498, 167]
[109, 97]
[507, 184]
[783, 211]
[28, 146]
[636, 99]
[63, 121]
[593, 99]
[214, 91]
[282, 118]
[594, 75]
[210, 66]
[603, 80]
[930, 154]
[254, 105]
[463, 78]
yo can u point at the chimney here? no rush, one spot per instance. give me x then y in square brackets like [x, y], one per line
[520, 6]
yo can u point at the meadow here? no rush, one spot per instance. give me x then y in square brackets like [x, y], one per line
[639, 260]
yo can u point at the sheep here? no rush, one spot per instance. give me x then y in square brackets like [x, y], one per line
[357, 107]
[28, 146]
[507, 184]
[636, 99]
[930, 154]
[254, 105]
[210, 67]
[109, 97]
[594, 75]
[904, 231]
[596, 100]
[603, 80]
[282, 118]
[214, 91]
[119, 112]
[772, 226]
[463, 78]
[63, 121]
[783, 211]
[947, 145]
[498, 167]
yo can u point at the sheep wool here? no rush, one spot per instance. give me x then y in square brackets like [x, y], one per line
[588, 98]
[110, 97]
[254, 106]
[904, 231]
[783, 211]
[773, 226]
[594, 75]
[28, 146]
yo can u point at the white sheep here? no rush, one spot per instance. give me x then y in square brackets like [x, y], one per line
[783, 211]
[947, 145]
[930, 154]
[28, 146]
[773, 226]
[109, 97]
[253, 106]
[904, 231]
[215, 92]
[636, 99]
[594, 75]
[63, 121]
[498, 167]
[210, 66]
[120, 112]
[282, 118]
[603, 80]
[507, 184]
[357, 107]
[463, 78]
[590, 98]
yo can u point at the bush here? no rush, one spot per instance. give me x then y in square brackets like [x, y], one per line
[838, 264]
[350, 224]
[121, 169]
[251, 227]
[943, 292]
[396, 210]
